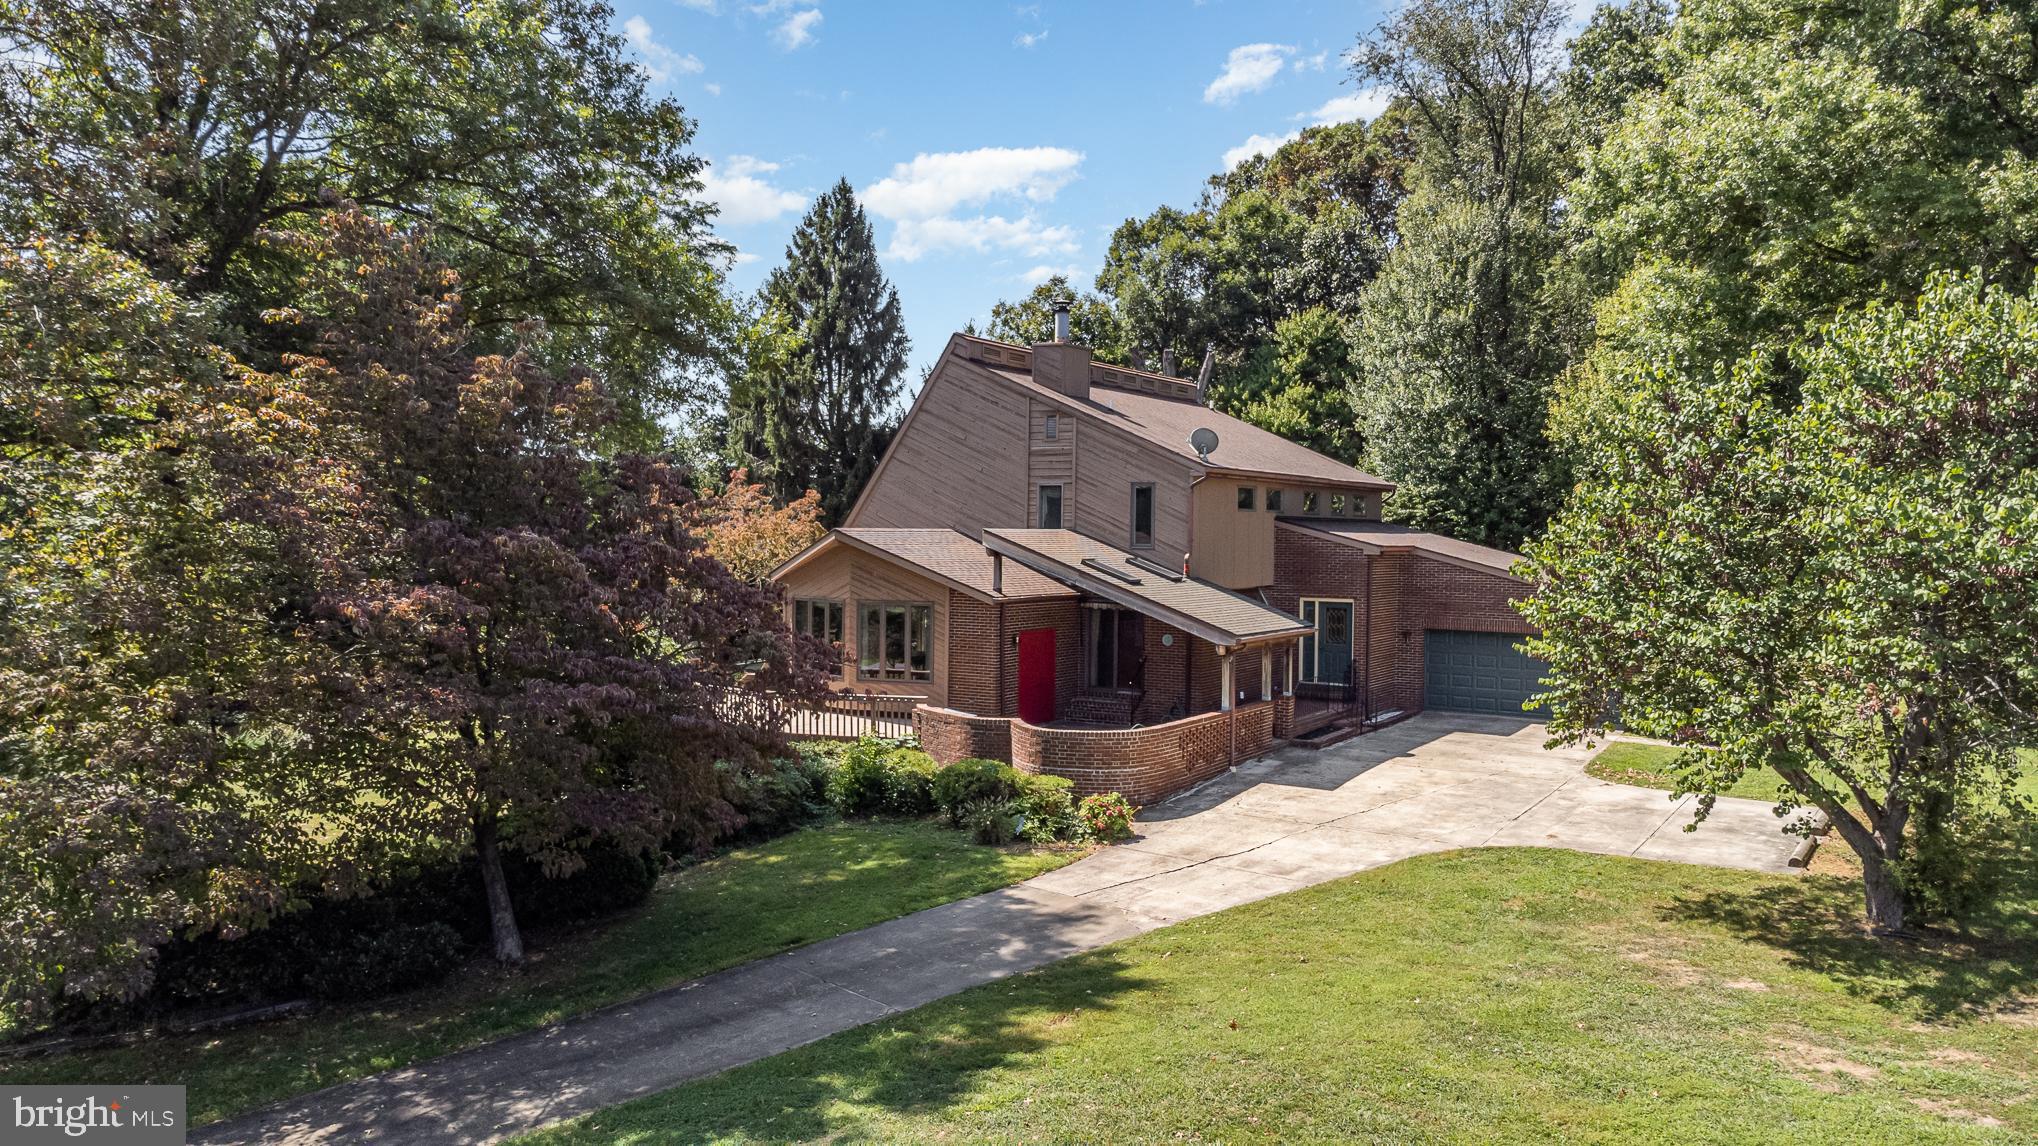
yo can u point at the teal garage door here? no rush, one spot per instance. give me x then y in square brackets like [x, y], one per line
[1477, 672]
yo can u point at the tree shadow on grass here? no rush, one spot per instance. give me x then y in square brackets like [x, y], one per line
[920, 1063]
[1945, 969]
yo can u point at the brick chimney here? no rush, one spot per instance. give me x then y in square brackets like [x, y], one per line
[1061, 364]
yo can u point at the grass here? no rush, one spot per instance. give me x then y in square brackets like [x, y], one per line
[1492, 995]
[1650, 766]
[748, 903]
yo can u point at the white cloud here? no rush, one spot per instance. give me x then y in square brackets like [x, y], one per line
[660, 62]
[735, 187]
[913, 238]
[1255, 145]
[921, 198]
[1029, 39]
[798, 30]
[1366, 105]
[1249, 68]
[712, 89]
[937, 183]
[1034, 276]
[707, 6]
[1313, 63]
[739, 258]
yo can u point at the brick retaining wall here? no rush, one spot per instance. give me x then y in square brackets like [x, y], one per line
[948, 735]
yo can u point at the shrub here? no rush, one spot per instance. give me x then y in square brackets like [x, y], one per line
[990, 821]
[611, 877]
[779, 795]
[1048, 804]
[877, 778]
[973, 781]
[381, 962]
[1106, 816]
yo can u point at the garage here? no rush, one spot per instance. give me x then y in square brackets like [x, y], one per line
[1477, 672]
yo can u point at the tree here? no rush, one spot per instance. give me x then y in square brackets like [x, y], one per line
[1297, 385]
[1838, 588]
[1791, 164]
[751, 535]
[1092, 322]
[147, 787]
[1463, 333]
[529, 647]
[179, 131]
[815, 409]
[1156, 274]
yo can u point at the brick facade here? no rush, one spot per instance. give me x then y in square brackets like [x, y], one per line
[1405, 594]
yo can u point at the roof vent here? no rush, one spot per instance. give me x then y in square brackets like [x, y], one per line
[1203, 440]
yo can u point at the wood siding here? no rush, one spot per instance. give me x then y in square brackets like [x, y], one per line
[960, 460]
[853, 577]
[1050, 461]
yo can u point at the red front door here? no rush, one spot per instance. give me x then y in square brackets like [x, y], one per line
[1036, 676]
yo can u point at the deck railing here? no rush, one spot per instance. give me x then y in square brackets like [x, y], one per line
[838, 716]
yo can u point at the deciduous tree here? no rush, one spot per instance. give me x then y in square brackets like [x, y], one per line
[750, 534]
[1838, 588]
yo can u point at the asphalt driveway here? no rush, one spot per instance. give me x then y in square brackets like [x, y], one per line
[1436, 781]
[1276, 824]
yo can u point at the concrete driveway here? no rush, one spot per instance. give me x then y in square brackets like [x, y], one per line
[1273, 825]
[1433, 782]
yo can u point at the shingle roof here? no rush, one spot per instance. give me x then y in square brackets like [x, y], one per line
[945, 555]
[1382, 535]
[1219, 616]
[1167, 422]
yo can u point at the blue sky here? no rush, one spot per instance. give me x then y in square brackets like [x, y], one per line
[992, 143]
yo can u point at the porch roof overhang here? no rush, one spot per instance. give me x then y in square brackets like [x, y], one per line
[1377, 537]
[1220, 616]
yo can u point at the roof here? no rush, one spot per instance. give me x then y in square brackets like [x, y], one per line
[945, 555]
[1383, 536]
[1219, 616]
[1167, 421]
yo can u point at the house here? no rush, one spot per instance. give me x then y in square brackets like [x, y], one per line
[1083, 569]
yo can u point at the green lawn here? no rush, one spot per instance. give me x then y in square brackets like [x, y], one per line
[1649, 766]
[748, 903]
[1495, 995]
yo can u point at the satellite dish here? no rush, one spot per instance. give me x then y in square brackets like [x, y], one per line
[1203, 440]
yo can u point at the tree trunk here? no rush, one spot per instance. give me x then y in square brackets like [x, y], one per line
[1885, 901]
[502, 916]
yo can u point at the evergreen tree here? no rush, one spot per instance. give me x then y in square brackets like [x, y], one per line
[814, 407]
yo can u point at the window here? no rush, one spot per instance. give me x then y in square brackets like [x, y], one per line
[1117, 653]
[1051, 427]
[1142, 516]
[821, 620]
[1309, 501]
[1245, 497]
[1049, 516]
[897, 642]
[1337, 505]
[1273, 501]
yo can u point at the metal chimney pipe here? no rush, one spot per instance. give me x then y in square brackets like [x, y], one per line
[1061, 319]
[1168, 362]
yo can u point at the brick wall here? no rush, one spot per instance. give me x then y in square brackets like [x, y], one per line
[1146, 764]
[973, 639]
[948, 735]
